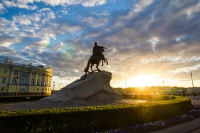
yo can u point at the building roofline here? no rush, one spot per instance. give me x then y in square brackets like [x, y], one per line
[23, 65]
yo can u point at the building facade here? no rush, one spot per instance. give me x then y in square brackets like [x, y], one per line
[24, 80]
[191, 90]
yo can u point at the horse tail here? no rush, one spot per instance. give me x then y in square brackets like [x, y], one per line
[88, 65]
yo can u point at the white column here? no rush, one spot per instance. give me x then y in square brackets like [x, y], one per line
[30, 79]
[40, 79]
[44, 80]
[11, 77]
[36, 77]
[47, 80]
[18, 77]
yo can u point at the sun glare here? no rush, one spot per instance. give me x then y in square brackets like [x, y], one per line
[144, 80]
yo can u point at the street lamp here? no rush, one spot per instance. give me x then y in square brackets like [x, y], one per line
[163, 82]
[53, 86]
[192, 83]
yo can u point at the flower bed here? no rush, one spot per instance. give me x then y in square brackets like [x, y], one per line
[160, 124]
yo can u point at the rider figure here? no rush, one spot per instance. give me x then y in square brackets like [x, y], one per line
[96, 58]
[96, 50]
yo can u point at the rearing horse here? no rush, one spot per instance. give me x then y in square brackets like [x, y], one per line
[96, 60]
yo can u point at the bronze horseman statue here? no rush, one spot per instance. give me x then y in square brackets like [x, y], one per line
[96, 58]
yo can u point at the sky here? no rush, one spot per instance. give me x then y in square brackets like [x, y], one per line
[149, 42]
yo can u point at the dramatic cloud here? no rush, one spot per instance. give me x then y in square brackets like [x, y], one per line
[20, 4]
[24, 3]
[156, 39]
[1, 8]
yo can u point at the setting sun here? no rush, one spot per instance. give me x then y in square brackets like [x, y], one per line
[145, 80]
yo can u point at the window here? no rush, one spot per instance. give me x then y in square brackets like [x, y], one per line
[32, 82]
[5, 70]
[23, 74]
[2, 88]
[22, 80]
[37, 89]
[3, 80]
[22, 89]
[14, 81]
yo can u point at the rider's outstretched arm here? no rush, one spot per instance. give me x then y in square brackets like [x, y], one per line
[102, 47]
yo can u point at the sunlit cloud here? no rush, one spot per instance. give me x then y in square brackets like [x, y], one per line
[145, 80]
[186, 69]
[48, 42]
[67, 50]
[146, 41]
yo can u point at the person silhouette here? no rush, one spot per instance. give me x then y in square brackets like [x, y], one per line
[96, 49]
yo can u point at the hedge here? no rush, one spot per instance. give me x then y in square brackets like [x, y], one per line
[148, 97]
[91, 118]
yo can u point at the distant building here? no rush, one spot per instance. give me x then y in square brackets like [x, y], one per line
[24, 79]
[191, 90]
[172, 91]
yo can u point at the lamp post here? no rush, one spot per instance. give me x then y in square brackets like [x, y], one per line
[53, 86]
[192, 83]
[163, 82]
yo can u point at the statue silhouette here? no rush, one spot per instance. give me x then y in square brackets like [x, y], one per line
[96, 58]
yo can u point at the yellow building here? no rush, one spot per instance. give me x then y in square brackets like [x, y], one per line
[24, 80]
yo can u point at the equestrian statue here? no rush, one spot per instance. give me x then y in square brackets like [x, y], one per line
[96, 58]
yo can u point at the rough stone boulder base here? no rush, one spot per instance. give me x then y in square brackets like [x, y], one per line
[94, 88]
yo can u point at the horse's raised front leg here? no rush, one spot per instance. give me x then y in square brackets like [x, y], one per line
[102, 62]
[106, 61]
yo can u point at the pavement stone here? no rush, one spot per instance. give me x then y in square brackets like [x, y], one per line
[187, 127]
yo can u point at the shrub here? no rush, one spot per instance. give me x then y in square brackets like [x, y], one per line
[91, 118]
[148, 97]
